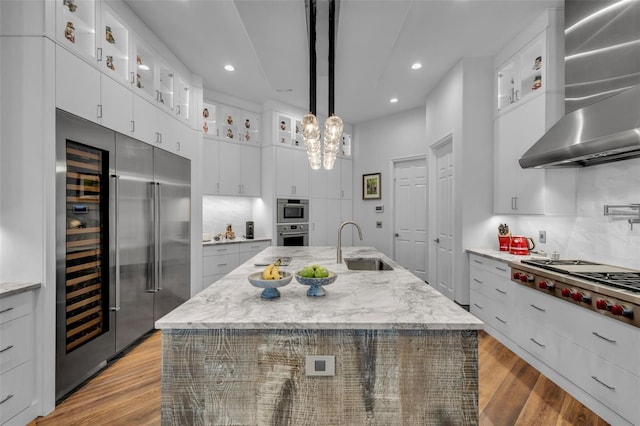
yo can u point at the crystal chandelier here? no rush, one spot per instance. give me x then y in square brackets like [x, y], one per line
[333, 125]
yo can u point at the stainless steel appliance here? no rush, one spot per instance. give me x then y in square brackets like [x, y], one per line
[602, 88]
[123, 243]
[293, 235]
[609, 290]
[293, 210]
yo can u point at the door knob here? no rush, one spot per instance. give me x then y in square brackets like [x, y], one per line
[437, 240]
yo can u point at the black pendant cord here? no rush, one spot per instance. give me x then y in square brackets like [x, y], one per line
[332, 54]
[312, 57]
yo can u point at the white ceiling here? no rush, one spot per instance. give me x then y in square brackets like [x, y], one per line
[377, 41]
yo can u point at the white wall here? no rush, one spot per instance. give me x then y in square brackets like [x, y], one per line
[459, 108]
[376, 144]
[589, 234]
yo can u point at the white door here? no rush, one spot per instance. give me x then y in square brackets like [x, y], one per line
[411, 216]
[444, 220]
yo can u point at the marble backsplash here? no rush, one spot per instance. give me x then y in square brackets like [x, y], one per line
[218, 211]
[589, 234]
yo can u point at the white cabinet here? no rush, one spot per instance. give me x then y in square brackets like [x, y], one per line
[113, 47]
[220, 259]
[239, 169]
[182, 99]
[217, 261]
[292, 173]
[586, 353]
[492, 294]
[76, 26]
[518, 190]
[524, 74]
[249, 249]
[210, 166]
[346, 178]
[529, 88]
[17, 380]
[116, 106]
[77, 85]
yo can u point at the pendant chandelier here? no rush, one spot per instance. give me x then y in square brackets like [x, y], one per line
[333, 125]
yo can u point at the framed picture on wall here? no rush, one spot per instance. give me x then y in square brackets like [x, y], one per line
[371, 187]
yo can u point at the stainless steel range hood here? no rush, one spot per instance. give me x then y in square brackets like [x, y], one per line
[602, 92]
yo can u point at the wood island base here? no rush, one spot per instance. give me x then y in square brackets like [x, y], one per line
[257, 377]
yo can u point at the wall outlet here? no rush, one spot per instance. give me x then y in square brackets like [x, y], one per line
[379, 224]
[542, 236]
[320, 365]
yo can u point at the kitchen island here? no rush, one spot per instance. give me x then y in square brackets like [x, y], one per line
[404, 354]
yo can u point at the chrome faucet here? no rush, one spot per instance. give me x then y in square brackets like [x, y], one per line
[340, 237]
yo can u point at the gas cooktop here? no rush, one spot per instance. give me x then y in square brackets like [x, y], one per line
[613, 276]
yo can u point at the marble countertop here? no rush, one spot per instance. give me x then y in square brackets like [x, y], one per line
[356, 300]
[236, 240]
[503, 256]
[7, 289]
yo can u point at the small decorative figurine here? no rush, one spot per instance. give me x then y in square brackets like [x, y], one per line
[230, 133]
[71, 4]
[205, 128]
[247, 136]
[537, 82]
[109, 35]
[229, 119]
[537, 63]
[110, 64]
[229, 235]
[69, 32]
[139, 59]
[247, 123]
[205, 112]
[139, 81]
[283, 125]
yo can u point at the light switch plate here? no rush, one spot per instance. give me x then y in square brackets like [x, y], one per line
[320, 365]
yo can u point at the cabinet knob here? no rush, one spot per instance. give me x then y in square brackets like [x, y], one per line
[437, 240]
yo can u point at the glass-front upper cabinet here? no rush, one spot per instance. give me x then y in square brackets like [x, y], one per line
[76, 26]
[250, 128]
[208, 118]
[165, 85]
[114, 53]
[182, 98]
[143, 68]
[523, 74]
[228, 122]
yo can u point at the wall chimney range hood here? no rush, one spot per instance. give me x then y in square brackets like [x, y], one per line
[602, 91]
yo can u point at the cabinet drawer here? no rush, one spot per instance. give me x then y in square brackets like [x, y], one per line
[16, 341]
[15, 306]
[610, 384]
[490, 265]
[220, 264]
[497, 315]
[217, 249]
[605, 337]
[254, 247]
[16, 388]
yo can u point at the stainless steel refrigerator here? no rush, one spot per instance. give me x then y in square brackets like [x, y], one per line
[123, 243]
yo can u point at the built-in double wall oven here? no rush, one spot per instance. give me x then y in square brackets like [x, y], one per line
[293, 222]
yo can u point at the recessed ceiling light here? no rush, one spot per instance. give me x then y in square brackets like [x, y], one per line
[416, 66]
[393, 100]
[229, 67]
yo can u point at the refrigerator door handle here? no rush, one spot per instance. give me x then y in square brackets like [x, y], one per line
[116, 186]
[151, 277]
[159, 236]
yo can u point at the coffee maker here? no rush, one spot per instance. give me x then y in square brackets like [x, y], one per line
[248, 234]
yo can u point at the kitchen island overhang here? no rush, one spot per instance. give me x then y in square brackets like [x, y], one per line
[404, 354]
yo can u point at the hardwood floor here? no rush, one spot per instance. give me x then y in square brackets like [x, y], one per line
[511, 392]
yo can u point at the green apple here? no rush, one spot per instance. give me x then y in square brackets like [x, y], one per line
[321, 272]
[306, 272]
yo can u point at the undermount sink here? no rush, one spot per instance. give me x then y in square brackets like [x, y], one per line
[367, 264]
